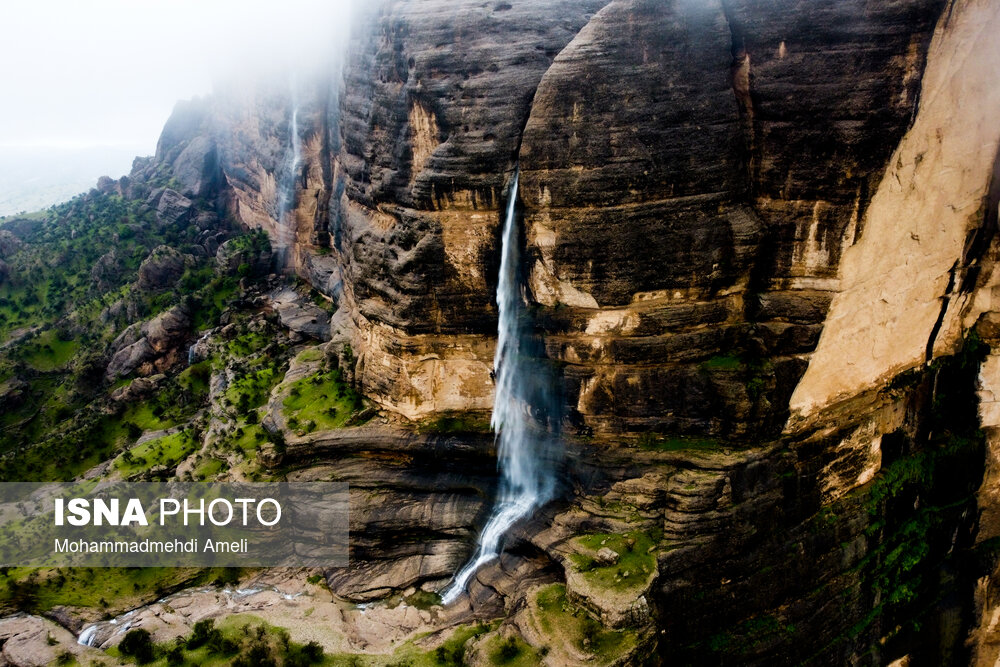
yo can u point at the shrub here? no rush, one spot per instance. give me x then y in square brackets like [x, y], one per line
[137, 644]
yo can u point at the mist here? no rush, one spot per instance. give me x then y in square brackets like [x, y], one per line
[95, 81]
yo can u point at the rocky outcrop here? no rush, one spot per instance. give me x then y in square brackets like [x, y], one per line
[173, 208]
[161, 269]
[152, 346]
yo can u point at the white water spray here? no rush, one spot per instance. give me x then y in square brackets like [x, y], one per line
[286, 196]
[526, 479]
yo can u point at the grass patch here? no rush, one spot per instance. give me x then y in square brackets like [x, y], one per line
[321, 401]
[456, 422]
[241, 639]
[251, 390]
[722, 362]
[195, 378]
[168, 450]
[676, 443]
[561, 619]
[423, 600]
[209, 469]
[113, 589]
[635, 561]
[451, 652]
[511, 651]
[48, 352]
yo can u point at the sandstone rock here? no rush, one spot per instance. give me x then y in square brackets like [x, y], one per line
[30, 641]
[128, 359]
[168, 328]
[107, 185]
[300, 315]
[142, 344]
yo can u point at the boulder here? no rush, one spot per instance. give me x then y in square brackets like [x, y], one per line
[173, 208]
[606, 556]
[140, 345]
[168, 328]
[162, 269]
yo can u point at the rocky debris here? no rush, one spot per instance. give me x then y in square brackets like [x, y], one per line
[162, 268]
[150, 346]
[206, 220]
[9, 243]
[211, 240]
[107, 270]
[299, 314]
[173, 208]
[33, 641]
[137, 389]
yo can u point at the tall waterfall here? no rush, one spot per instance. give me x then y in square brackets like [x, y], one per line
[287, 187]
[523, 452]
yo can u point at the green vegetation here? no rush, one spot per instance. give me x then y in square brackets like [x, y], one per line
[456, 422]
[321, 401]
[562, 620]
[209, 469]
[240, 641]
[167, 451]
[108, 588]
[49, 352]
[635, 560]
[675, 443]
[719, 362]
[753, 633]
[511, 651]
[423, 600]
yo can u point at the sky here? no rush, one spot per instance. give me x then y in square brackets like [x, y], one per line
[80, 75]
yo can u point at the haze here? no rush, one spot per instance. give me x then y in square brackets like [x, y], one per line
[88, 85]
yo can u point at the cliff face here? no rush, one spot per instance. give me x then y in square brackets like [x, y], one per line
[759, 244]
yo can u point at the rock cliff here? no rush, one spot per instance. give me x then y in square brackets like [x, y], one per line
[759, 243]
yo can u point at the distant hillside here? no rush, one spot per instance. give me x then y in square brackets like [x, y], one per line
[36, 177]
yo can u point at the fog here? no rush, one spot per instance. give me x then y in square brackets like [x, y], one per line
[100, 77]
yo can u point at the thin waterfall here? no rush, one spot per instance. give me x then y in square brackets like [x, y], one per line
[523, 452]
[287, 187]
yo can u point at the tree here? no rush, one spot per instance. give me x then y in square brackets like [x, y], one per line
[138, 644]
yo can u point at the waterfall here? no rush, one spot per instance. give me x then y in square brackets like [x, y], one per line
[287, 186]
[523, 457]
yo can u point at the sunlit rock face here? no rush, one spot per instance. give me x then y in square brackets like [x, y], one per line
[695, 194]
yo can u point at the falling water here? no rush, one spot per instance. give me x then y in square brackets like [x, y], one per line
[286, 195]
[523, 456]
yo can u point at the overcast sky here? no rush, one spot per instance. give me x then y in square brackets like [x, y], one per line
[83, 73]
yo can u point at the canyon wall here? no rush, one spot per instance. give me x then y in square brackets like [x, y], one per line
[759, 242]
